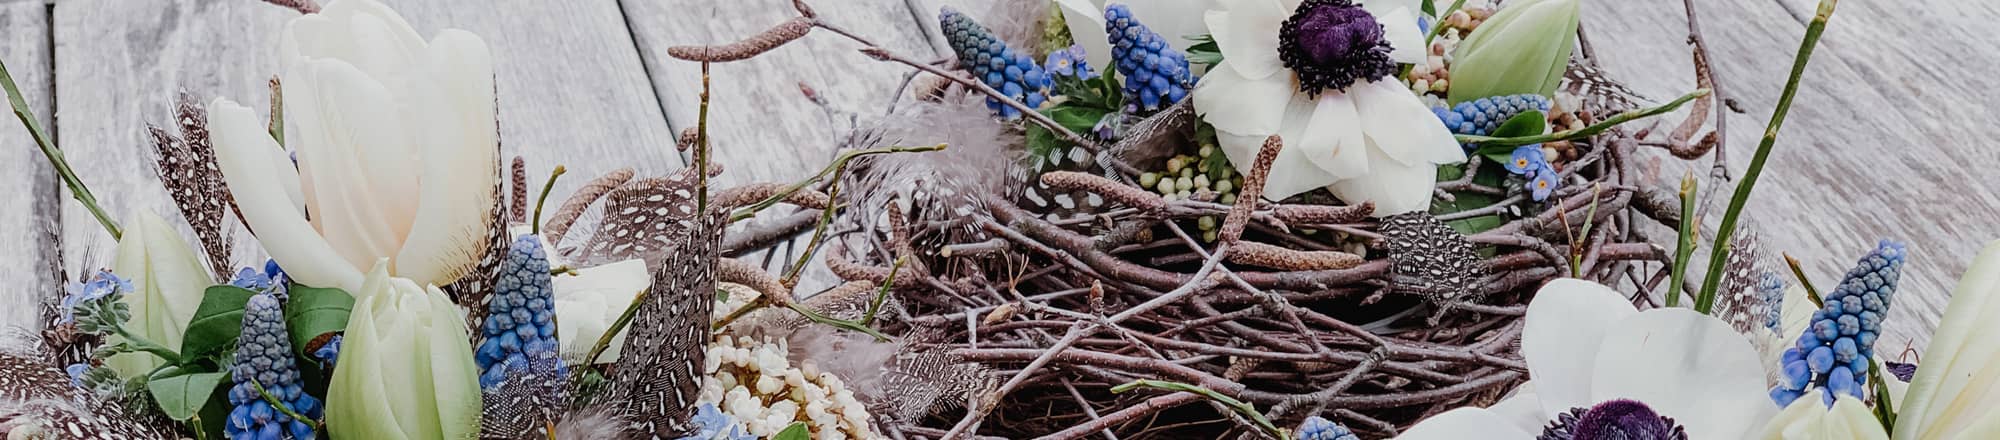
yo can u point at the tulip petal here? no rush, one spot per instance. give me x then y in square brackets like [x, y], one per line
[1688, 366]
[168, 281]
[364, 33]
[1237, 104]
[353, 150]
[406, 367]
[242, 149]
[1465, 423]
[1566, 324]
[590, 299]
[461, 161]
[1406, 130]
[1333, 138]
[1394, 187]
[1247, 33]
[1808, 419]
[1957, 387]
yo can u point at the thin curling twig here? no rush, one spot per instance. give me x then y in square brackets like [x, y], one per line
[749, 47]
[581, 200]
[1253, 190]
[687, 139]
[1720, 252]
[544, 198]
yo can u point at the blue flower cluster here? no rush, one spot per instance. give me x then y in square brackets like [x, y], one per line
[329, 353]
[1070, 63]
[272, 277]
[1319, 428]
[1771, 291]
[716, 425]
[1010, 71]
[1528, 160]
[100, 285]
[521, 317]
[264, 358]
[1837, 349]
[1154, 70]
[1481, 116]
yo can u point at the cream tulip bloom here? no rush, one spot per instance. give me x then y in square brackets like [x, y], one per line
[1322, 75]
[1587, 350]
[406, 368]
[397, 150]
[168, 282]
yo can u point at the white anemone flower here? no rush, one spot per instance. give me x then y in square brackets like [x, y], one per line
[1321, 74]
[1598, 367]
[397, 150]
[1955, 393]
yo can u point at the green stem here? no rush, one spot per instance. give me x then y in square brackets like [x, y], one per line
[883, 293]
[76, 189]
[1684, 249]
[1239, 406]
[1800, 272]
[147, 345]
[544, 198]
[281, 406]
[1594, 129]
[1437, 26]
[604, 341]
[839, 162]
[1720, 254]
[1885, 410]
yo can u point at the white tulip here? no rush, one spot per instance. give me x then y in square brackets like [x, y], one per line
[406, 369]
[397, 150]
[167, 285]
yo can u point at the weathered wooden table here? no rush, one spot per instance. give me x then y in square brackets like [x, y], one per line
[1884, 142]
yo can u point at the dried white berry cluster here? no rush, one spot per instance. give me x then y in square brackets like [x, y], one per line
[752, 381]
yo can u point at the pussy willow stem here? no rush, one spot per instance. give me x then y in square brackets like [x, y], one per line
[76, 189]
[1594, 129]
[544, 198]
[1239, 406]
[1720, 254]
[1684, 247]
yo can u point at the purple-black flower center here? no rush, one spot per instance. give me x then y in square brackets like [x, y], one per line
[1333, 43]
[1613, 420]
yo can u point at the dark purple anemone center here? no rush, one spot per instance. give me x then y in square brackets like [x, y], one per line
[1613, 420]
[1333, 43]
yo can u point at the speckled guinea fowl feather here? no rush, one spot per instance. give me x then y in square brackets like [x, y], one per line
[1430, 258]
[659, 370]
[1738, 301]
[527, 402]
[38, 401]
[186, 167]
[1596, 94]
[473, 290]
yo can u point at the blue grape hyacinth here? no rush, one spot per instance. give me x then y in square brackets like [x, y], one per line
[1156, 73]
[521, 315]
[1481, 116]
[1004, 68]
[1836, 350]
[264, 358]
[1319, 428]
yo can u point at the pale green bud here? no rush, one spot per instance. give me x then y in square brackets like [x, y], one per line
[1524, 48]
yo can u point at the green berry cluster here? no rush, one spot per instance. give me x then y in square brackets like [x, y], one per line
[1186, 175]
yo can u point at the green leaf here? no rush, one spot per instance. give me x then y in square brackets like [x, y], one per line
[315, 311]
[217, 321]
[1077, 119]
[1528, 123]
[1430, 10]
[795, 432]
[182, 393]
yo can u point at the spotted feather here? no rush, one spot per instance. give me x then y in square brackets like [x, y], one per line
[186, 167]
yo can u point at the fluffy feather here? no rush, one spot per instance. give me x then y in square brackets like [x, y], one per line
[38, 401]
[945, 188]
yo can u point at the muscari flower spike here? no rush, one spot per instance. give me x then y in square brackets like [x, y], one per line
[1155, 72]
[1481, 116]
[264, 358]
[1836, 350]
[1070, 63]
[1319, 428]
[1010, 71]
[521, 315]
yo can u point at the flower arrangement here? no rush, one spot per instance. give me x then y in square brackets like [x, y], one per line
[1312, 219]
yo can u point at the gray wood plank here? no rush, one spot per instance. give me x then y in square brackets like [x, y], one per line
[1883, 141]
[28, 224]
[569, 81]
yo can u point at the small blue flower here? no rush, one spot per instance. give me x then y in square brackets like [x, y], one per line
[717, 425]
[329, 353]
[1069, 63]
[1527, 159]
[76, 372]
[1319, 428]
[101, 284]
[1542, 181]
